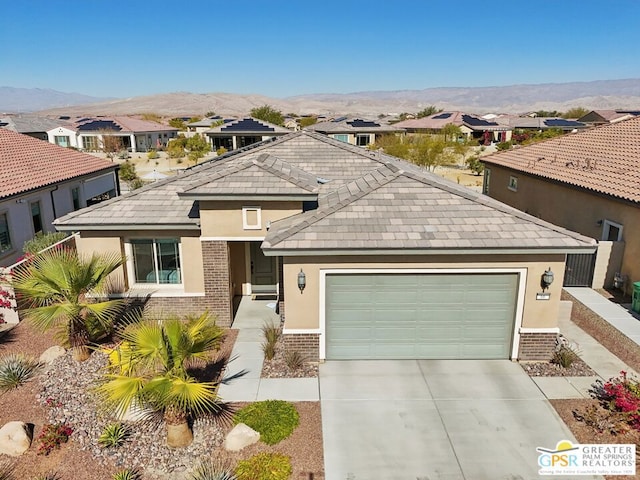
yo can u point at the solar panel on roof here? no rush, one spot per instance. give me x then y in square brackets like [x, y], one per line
[100, 125]
[247, 125]
[442, 116]
[561, 122]
[357, 123]
[64, 117]
[339, 119]
[477, 122]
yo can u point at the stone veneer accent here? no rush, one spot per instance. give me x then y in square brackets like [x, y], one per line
[536, 346]
[217, 281]
[306, 343]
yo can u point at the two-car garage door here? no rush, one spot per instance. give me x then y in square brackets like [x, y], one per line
[420, 315]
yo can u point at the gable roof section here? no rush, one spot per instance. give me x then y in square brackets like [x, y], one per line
[439, 120]
[353, 125]
[28, 123]
[120, 124]
[264, 177]
[398, 211]
[29, 163]
[246, 126]
[605, 159]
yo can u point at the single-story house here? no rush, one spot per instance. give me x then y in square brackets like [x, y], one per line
[367, 255]
[602, 117]
[242, 133]
[586, 182]
[205, 124]
[31, 125]
[40, 182]
[132, 134]
[472, 126]
[355, 131]
[516, 122]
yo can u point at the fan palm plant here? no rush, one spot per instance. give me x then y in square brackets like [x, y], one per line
[152, 367]
[59, 289]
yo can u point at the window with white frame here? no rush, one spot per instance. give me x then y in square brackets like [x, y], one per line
[5, 236]
[513, 183]
[62, 140]
[251, 218]
[342, 137]
[156, 260]
[363, 140]
[611, 231]
[90, 143]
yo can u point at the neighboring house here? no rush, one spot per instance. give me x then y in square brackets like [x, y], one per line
[602, 117]
[355, 131]
[242, 133]
[369, 256]
[40, 182]
[133, 134]
[515, 122]
[472, 126]
[587, 182]
[201, 126]
[31, 125]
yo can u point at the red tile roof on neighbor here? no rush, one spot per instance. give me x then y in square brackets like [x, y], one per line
[27, 163]
[604, 159]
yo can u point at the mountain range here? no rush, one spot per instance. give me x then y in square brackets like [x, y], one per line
[601, 94]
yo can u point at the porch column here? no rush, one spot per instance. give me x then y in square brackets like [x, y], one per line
[217, 280]
[133, 143]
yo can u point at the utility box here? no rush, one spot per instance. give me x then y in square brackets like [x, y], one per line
[635, 301]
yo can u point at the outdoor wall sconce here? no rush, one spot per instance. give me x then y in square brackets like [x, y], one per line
[302, 281]
[547, 279]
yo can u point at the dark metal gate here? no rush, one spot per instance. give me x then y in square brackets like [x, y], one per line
[579, 270]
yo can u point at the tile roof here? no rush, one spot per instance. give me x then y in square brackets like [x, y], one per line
[353, 125]
[396, 209]
[541, 123]
[441, 119]
[246, 126]
[29, 163]
[123, 124]
[29, 123]
[262, 176]
[367, 200]
[604, 159]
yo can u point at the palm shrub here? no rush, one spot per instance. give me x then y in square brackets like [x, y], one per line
[275, 420]
[7, 469]
[153, 370]
[59, 288]
[264, 466]
[16, 369]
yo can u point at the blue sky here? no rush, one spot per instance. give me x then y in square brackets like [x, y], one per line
[279, 48]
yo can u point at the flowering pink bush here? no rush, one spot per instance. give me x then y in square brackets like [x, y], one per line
[622, 394]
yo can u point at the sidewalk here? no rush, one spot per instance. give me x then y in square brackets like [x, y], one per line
[603, 362]
[247, 356]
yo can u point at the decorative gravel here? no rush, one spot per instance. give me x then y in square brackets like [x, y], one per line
[277, 366]
[548, 369]
[67, 391]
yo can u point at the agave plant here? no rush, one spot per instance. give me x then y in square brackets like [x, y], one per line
[127, 474]
[213, 470]
[16, 369]
[113, 435]
[153, 370]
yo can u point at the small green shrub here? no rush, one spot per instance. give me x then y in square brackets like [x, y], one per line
[213, 470]
[275, 420]
[221, 151]
[42, 241]
[503, 146]
[52, 436]
[16, 369]
[127, 474]
[564, 356]
[113, 435]
[264, 466]
[294, 359]
[152, 154]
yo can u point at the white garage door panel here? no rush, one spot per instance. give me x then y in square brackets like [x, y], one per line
[420, 315]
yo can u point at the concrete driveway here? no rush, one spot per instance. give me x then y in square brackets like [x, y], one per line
[433, 419]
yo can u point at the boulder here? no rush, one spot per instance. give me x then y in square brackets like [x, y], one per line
[241, 436]
[51, 353]
[15, 438]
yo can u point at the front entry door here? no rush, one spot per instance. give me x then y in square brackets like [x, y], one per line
[263, 271]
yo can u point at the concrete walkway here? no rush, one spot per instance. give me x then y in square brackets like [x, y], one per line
[601, 360]
[247, 357]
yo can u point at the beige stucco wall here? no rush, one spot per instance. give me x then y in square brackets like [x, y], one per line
[573, 209]
[223, 219]
[108, 242]
[302, 309]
